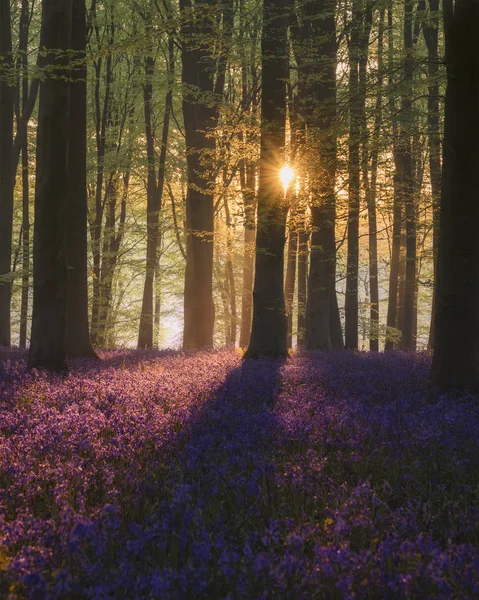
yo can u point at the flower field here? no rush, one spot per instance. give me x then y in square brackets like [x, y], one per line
[163, 475]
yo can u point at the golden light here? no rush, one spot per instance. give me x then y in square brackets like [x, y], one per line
[286, 175]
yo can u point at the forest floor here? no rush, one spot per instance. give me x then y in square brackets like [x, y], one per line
[164, 475]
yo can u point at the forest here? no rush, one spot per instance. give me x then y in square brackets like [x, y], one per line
[239, 299]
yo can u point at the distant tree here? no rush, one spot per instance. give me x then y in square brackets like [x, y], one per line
[268, 334]
[50, 273]
[7, 97]
[155, 182]
[456, 333]
[78, 341]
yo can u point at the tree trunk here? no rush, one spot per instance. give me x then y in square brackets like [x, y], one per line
[7, 98]
[23, 46]
[358, 49]
[408, 341]
[431, 35]
[392, 312]
[249, 199]
[314, 42]
[290, 279]
[456, 349]
[50, 273]
[268, 335]
[303, 242]
[78, 341]
[200, 117]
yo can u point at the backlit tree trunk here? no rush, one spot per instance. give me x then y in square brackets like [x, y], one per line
[268, 334]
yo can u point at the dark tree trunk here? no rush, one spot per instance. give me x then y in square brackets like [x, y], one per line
[408, 342]
[200, 116]
[314, 41]
[268, 334]
[431, 36]
[456, 349]
[7, 99]
[303, 242]
[50, 274]
[371, 197]
[392, 312]
[249, 199]
[23, 47]
[358, 49]
[78, 341]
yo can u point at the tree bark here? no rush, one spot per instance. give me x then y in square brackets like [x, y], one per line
[291, 278]
[7, 99]
[408, 341]
[50, 273]
[268, 335]
[202, 94]
[249, 200]
[456, 348]
[78, 341]
[23, 47]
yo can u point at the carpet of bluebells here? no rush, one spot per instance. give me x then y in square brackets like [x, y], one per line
[165, 475]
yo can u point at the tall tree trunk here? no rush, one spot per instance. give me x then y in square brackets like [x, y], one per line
[50, 274]
[456, 349]
[392, 312]
[7, 99]
[78, 341]
[372, 197]
[23, 47]
[431, 36]
[268, 334]
[358, 49]
[200, 116]
[249, 199]
[408, 341]
[314, 42]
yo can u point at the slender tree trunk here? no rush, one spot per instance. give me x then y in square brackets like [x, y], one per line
[230, 275]
[268, 335]
[50, 274]
[7, 99]
[392, 312]
[23, 47]
[249, 199]
[78, 341]
[431, 36]
[408, 341]
[303, 242]
[371, 197]
[291, 277]
[456, 350]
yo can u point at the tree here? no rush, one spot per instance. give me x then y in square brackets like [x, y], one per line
[78, 341]
[202, 94]
[155, 183]
[7, 96]
[268, 334]
[50, 273]
[456, 334]
[315, 46]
